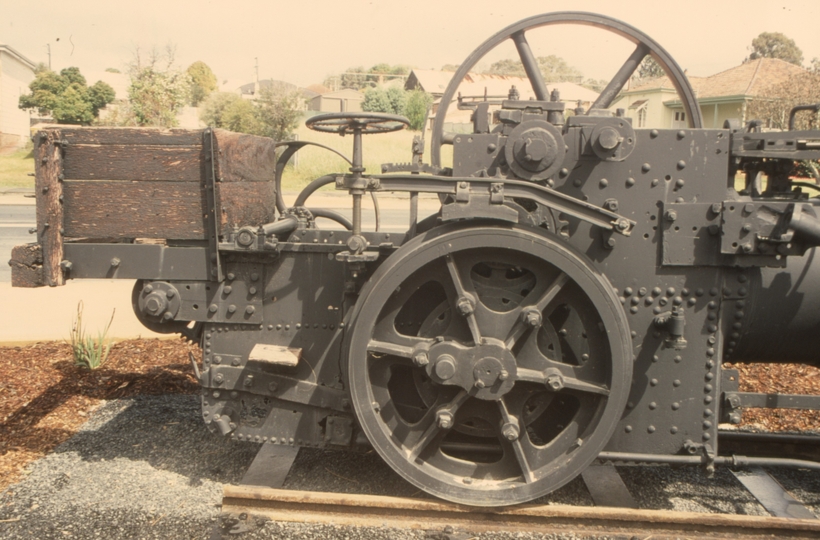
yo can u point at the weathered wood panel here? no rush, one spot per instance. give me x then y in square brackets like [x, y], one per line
[27, 266]
[126, 162]
[244, 158]
[168, 210]
[48, 166]
[134, 210]
[247, 203]
[139, 136]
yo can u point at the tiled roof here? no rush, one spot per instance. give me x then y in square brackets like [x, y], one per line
[749, 79]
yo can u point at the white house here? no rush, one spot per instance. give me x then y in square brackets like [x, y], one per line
[16, 73]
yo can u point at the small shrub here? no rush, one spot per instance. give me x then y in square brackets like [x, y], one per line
[89, 352]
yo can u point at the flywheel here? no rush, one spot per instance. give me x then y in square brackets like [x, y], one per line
[488, 366]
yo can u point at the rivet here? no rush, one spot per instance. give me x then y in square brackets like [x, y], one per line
[648, 300]
[706, 436]
[655, 358]
[656, 310]
[713, 291]
[628, 429]
[299, 325]
[709, 376]
[742, 278]
[654, 182]
[630, 182]
[646, 167]
[708, 388]
[650, 429]
[635, 300]
[707, 424]
[681, 164]
[633, 333]
[711, 316]
[673, 430]
[653, 406]
[603, 183]
[627, 291]
[654, 382]
[231, 308]
[735, 335]
[642, 291]
[656, 291]
[737, 325]
[576, 182]
[707, 400]
[692, 301]
[707, 412]
[677, 300]
[675, 406]
[676, 383]
[278, 326]
[653, 133]
[677, 359]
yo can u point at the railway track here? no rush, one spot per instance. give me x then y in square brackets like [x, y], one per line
[246, 507]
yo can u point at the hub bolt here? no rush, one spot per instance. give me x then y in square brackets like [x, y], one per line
[421, 359]
[444, 419]
[510, 431]
[555, 382]
[465, 306]
[503, 375]
[531, 317]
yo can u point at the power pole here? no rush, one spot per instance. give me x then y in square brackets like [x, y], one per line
[48, 46]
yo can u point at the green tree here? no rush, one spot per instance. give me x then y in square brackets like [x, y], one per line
[241, 116]
[416, 107]
[278, 112]
[203, 82]
[450, 67]
[376, 100]
[397, 98]
[212, 110]
[775, 45]
[553, 68]
[650, 69]
[156, 96]
[66, 96]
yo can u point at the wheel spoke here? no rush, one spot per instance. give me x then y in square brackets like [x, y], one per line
[390, 348]
[520, 454]
[430, 424]
[464, 294]
[542, 303]
[569, 378]
[620, 79]
[530, 66]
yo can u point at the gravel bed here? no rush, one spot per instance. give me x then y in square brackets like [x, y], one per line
[147, 467]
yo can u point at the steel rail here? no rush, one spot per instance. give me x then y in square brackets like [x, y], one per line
[396, 512]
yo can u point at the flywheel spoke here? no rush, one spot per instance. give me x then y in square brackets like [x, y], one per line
[621, 77]
[530, 63]
[564, 376]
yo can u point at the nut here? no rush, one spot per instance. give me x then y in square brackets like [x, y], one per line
[444, 419]
[465, 306]
[510, 431]
[555, 382]
[421, 359]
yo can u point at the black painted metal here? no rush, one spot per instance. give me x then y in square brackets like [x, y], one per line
[574, 297]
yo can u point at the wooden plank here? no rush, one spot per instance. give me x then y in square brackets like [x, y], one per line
[127, 162]
[140, 136]
[27, 265]
[48, 166]
[271, 466]
[244, 158]
[246, 203]
[102, 209]
[167, 210]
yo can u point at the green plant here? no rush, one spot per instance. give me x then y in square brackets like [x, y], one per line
[89, 352]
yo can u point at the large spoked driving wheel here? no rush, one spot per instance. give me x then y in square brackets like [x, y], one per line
[488, 366]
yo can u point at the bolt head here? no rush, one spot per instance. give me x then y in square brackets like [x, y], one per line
[503, 375]
[465, 306]
[671, 215]
[480, 384]
[532, 318]
[444, 419]
[421, 359]
[510, 431]
[445, 367]
[555, 382]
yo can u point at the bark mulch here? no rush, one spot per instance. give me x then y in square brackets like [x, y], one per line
[45, 398]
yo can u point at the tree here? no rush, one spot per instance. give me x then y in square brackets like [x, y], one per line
[553, 68]
[774, 108]
[650, 69]
[278, 112]
[156, 96]
[450, 67]
[376, 100]
[212, 110]
[775, 45]
[66, 96]
[416, 107]
[203, 82]
[358, 77]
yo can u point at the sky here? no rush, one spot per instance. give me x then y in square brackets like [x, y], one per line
[304, 41]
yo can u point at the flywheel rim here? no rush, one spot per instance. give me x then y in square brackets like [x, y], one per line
[443, 474]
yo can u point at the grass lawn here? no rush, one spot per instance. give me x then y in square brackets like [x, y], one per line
[14, 169]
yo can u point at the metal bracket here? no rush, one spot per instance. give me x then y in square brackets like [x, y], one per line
[462, 192]
[212, 200]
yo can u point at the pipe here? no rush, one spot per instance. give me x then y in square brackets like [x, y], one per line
[741, 436]
[813, 107]
[332, 215]
[285, 225]
[311, 188]
[733, 461]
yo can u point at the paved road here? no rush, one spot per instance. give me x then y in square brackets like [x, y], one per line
[15, 221]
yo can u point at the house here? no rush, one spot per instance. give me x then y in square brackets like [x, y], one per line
[721, 96]
[344, 100]
[16, 73]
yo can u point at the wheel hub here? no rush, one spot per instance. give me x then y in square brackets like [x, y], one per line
[487, 370]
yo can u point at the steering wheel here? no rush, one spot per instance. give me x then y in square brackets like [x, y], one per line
[515, 32]
[362, 122]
